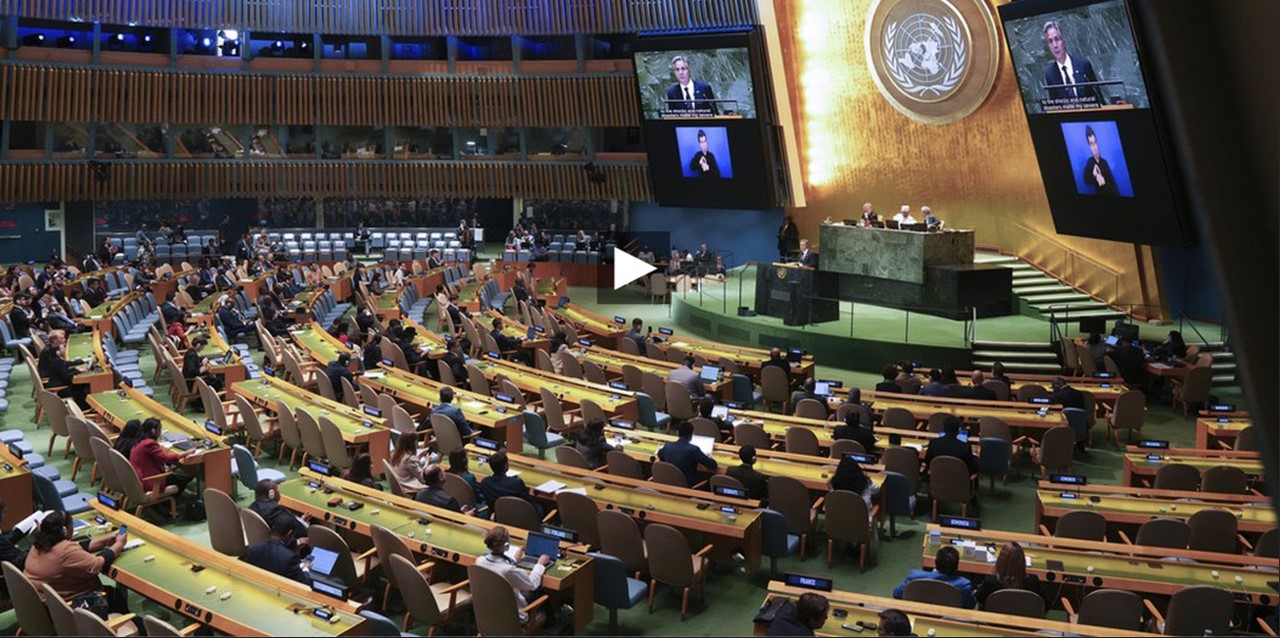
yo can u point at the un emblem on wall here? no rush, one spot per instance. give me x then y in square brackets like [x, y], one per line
[933, 60]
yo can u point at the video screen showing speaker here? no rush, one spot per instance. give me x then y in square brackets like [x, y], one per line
[700, 96]
[686, 82]
[1093, 121]
[1074, 56]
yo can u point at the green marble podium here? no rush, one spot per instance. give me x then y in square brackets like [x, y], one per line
[897, 255]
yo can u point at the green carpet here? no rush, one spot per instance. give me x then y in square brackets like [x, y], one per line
[732, 595]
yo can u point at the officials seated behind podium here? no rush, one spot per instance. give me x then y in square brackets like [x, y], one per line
[275, 555]
[946, 564]
[904, 217]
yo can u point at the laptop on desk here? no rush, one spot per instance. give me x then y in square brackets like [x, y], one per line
[323, 562]
[537, 546]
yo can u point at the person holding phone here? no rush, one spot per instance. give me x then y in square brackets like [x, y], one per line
[73, 569]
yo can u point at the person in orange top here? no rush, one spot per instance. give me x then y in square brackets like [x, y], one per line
[72, 568]
[149, 458]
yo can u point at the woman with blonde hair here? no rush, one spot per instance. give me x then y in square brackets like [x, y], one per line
[1010, 573]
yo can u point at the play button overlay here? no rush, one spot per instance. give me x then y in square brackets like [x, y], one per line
[627, 269]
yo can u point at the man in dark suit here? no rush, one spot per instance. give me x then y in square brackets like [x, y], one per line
[977, 391]
[232, 321]
[433, 260]
[435, 494]
[504, 342]
[1131, 361]
[170, 310]
[266, 503]
[807, 256]
[687, 94]
[337, 370]
[685, 376]
[853, 430]
[90, 263]
[455, 360]
[274, 554]
[1097, 173]
[635, 335]
[499, 484]
[413, 355]
[1067, 69]
[52, 365]
[756, 483]
[949, 444]
[869, 215]
[685, 455]
[21, 316]
[448, 409]
[703, 163]
[776, 359]
[1065, 395]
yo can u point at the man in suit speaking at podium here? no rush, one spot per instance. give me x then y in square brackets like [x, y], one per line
[1067, 70]
[687, 94]
[807, 257]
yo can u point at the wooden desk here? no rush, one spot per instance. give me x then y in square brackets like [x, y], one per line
[1139, 569]
[321, 346]
[749, 360]
[614, 402]
[687, 509]
[1137, 465]
[1016, 415]
[261, 603]
[88, 347]
[1212, 431]
[16, 487]
[929, 619]
[387, 305]
[612, 362]
[432, 532]
[502, 421]
[512, 327]
[99, 317]
[1128, 507]
[118, 407]
[1104, 390]
[231, 371]
[606, 331]
[357, 428]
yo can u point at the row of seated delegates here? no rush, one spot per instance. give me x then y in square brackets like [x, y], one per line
[1009, 572]
[699, 263]
[870, 217]
[809, 613]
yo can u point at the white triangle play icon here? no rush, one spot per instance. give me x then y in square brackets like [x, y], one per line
[627, 269]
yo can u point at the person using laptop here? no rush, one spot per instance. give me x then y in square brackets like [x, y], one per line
[707, 410]
[683, 454]
[756, 483]
[685, 376]
[810, 391]
[274, 554]
[503, 559]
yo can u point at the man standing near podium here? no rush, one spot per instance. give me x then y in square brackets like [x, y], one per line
[807, 257]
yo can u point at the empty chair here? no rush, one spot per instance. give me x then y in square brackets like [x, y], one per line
[1015, 602]
[1268, 545]
[847, 521]
[1129, 413]
[679, 403]
[516, 512]
[936, 420]
[536, 434]
[934, 592]
[1083, 525]
[33, 616]
[1193, 389]
[1177, 476]
[1172, 533]
[614, 588]
[432, 604]
[898, 418]
[790, 497]
[949, 483]
[256, 529]
[312, 439]
[802, 440]
[446, 432]
[1213, 531]
[620, 464]
[1224, 479]
[578, 512]
[774, 386]
[620, 536]
[841, 447]
[995, 459]
[751, 434]
[668, 474]
[1115, 608]
[248, 470]
[570, 456]
[811, 409]
[346, 567]
[1029, 391]
[226, 532]
[671, 562]
[1056, 450]
[1202, 610]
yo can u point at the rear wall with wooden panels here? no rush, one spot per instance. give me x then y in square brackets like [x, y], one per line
[53, 181]
[402, 17]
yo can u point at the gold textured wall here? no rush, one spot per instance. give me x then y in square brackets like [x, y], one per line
[979, 172]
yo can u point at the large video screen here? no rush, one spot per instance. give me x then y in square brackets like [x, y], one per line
[687, 82]
[1092, 122]
[1077, 58]
[704, 137]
